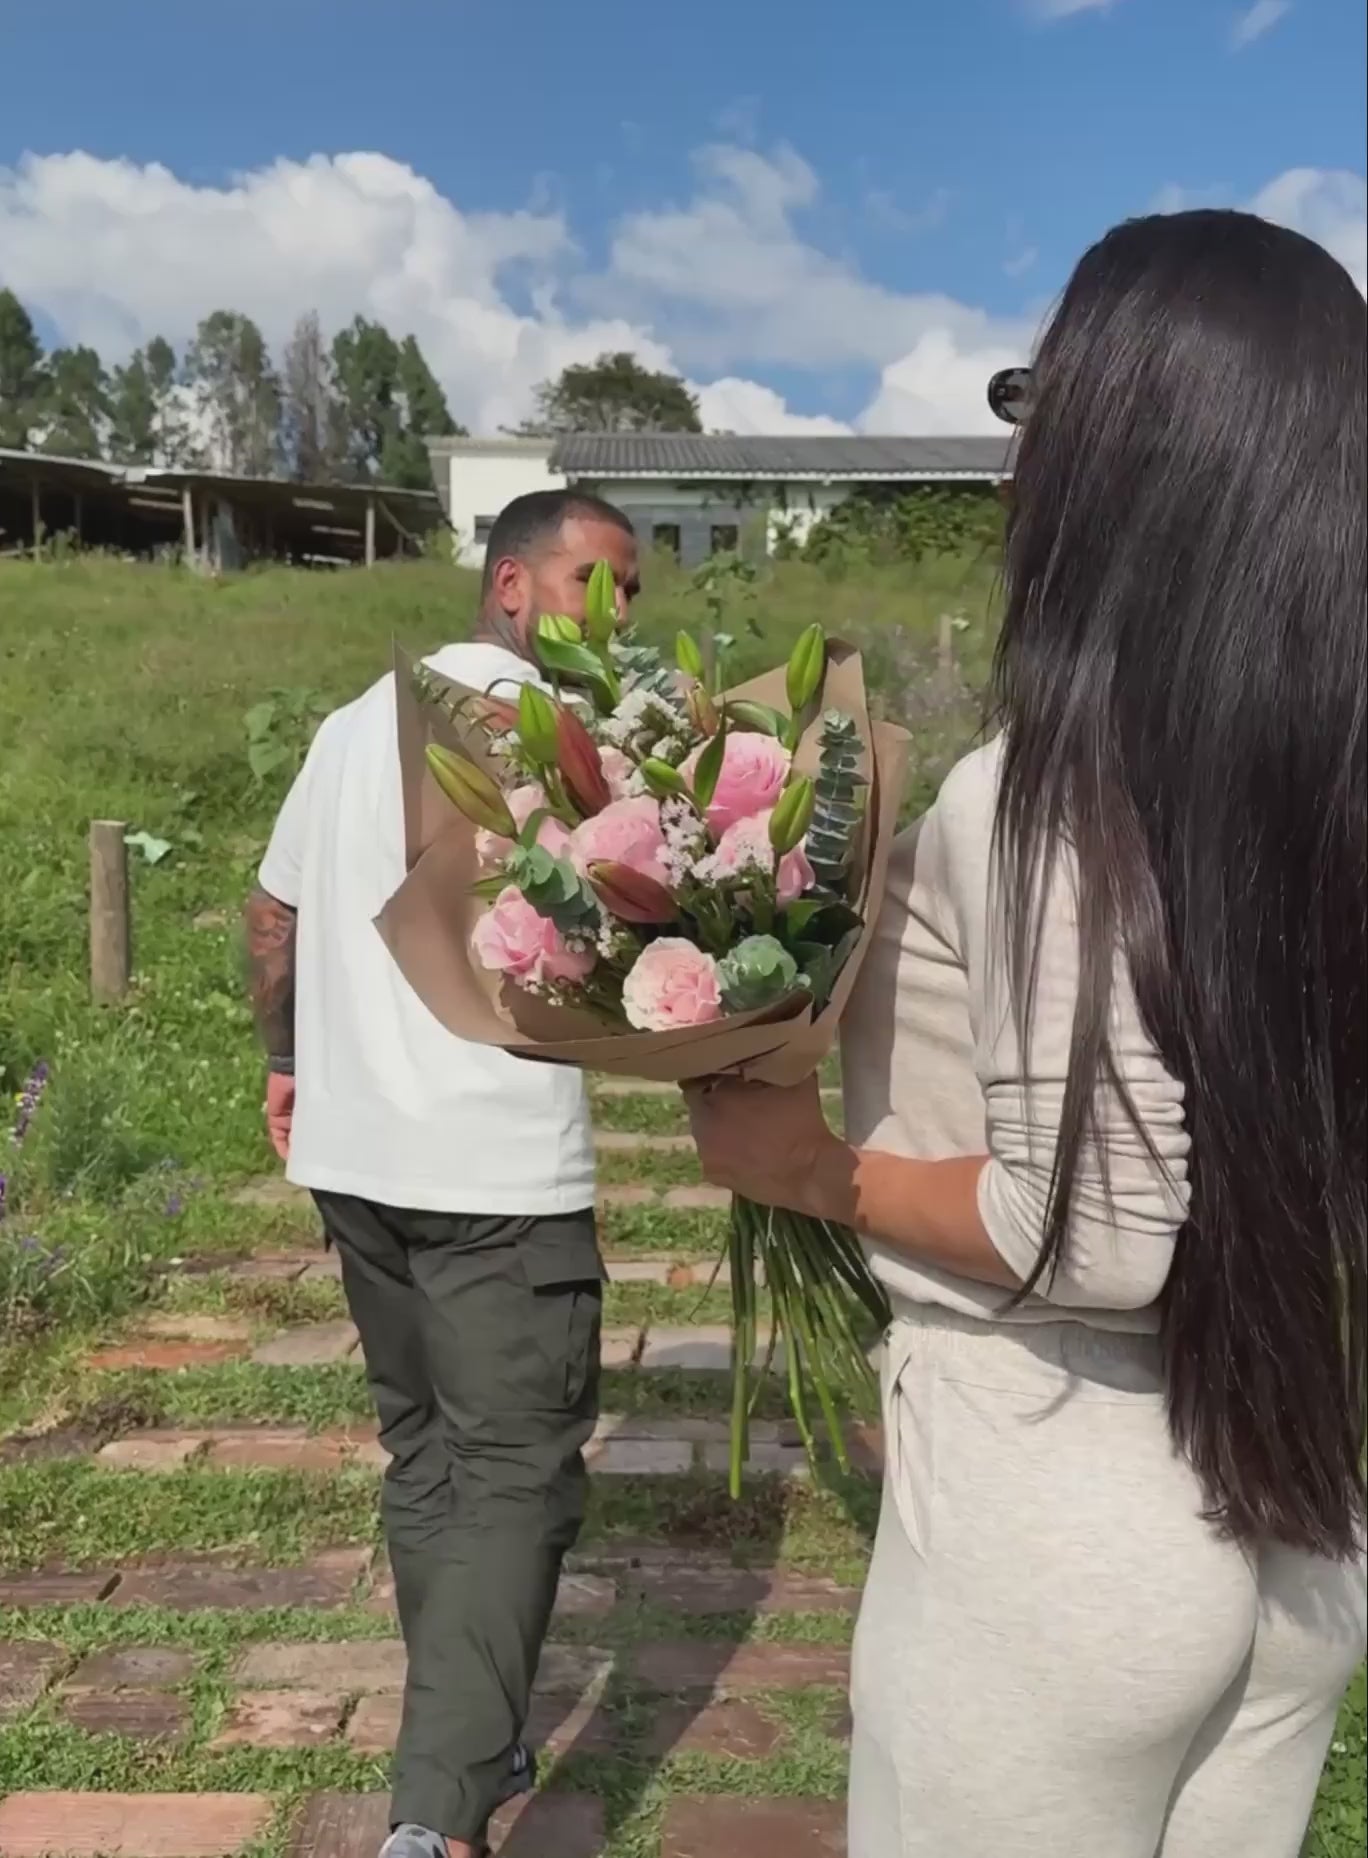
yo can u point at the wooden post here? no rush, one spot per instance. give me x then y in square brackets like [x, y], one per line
[945, 651]
[370, 532]
[188, 517]
[111, 934]
[37, 501]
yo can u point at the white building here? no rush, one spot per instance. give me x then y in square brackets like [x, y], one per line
[696, 494]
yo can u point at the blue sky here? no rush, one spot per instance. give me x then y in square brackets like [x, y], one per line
[792, 197]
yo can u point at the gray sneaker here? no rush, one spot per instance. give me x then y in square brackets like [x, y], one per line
[414, 1842]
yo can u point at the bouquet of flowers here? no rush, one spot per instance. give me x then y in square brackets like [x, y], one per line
[628, 869]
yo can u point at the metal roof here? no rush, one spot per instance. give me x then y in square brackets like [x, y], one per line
[698, 455]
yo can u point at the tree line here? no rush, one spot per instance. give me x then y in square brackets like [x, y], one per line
[357, 409]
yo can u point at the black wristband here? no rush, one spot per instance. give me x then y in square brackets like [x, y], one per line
[280, 1066]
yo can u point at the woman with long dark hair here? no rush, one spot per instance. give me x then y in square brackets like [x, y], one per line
[1106, 1105]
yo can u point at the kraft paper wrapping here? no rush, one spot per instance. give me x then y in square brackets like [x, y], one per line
[427, 923]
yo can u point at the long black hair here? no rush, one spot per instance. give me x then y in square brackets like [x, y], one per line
[1180, 679]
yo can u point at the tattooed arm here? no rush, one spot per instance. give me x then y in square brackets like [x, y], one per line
[271, 975]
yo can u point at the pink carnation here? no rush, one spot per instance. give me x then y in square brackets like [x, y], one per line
[672, 984]
[512, 939]
[523, 802]
[754, 769]
[618, 770]
[746, 847]
[625, 832]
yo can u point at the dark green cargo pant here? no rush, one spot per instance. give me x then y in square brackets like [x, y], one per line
[481, 1339]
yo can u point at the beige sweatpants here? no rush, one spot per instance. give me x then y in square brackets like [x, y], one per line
[1056, 1657]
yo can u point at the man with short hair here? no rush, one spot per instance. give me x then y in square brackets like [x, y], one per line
[457, 1183]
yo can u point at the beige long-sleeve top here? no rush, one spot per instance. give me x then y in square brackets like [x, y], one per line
[932, 1068]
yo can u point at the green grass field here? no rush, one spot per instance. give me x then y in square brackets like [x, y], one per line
[124, 694]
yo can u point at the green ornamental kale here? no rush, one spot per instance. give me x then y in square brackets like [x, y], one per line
[757, 972]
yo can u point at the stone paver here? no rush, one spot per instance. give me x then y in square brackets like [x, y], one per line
[283, 1269]
[134, 1667]
[764, 1460]
[555, 1825]
[620, 1196]
[165, 1357]
[371, 1666]
[733, 1827]
[733, 1730]
[170, 1327]
[282, 1719]
[628, 1142]
[53, 1587]
[712, 1589]
[638, 1271]
[328, 1580]
[282, 1448]
[697, 1199]
[153, 1451]
[309, 1345]
[569, 1825]
[639, 1457]
[700, 1667]
[270, 1192]
[27, 1667]
[75, 1825]
[375, 1667]
[699, 1347]
[141, 1715]
[620, 1347]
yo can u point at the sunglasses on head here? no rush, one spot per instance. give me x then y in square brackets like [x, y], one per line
[1010, 393]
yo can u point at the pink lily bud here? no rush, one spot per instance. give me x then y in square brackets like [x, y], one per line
[581, 765]
[630, 897]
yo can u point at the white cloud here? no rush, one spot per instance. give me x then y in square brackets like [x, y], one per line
[722, 287]
[1021, 262]
[940, 387]
[1329, 205]
[732, 405]
[1258, 19]
[1065, 9]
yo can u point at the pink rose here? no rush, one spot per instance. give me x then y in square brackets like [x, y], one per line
[523, 802]
[754, 769]
[625, 832]
[671, 984]
[746, 847]
[618, 770]
[512, 939]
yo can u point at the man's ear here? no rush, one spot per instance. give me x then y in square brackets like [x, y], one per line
[510, 586]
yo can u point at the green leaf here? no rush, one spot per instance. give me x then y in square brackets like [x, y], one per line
[264, 758]
[489, 888]
[152, 849]
[797, 916]
[581, 663]
[600, 604]
[260, 720]
[709, 768]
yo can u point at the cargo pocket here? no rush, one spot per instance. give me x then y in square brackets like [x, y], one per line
[560, 1260]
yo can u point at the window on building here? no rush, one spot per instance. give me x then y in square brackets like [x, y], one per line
[483, 525]
[665, 536]
[726, 538]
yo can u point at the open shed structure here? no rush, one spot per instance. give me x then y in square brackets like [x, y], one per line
[213, 521]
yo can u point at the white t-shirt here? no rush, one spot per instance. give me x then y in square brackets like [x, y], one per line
[389, 1105]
